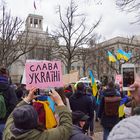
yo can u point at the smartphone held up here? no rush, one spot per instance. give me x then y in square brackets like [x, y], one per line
[43, 92]
[128, 76]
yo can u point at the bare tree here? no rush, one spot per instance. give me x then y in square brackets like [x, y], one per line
[87, 55]
[74, 33]
[130, 6]
[13, 42]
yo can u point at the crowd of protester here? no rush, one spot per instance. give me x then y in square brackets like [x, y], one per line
[69, 112]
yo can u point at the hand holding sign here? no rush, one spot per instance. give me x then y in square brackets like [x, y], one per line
[31, 95]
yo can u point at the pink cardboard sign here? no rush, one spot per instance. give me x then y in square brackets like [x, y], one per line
[118, 79]
[43, 74]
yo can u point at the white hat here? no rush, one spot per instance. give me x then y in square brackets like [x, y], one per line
[127, 129]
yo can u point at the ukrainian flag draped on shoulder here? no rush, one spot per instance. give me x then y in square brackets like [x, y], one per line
[93, 83]
[111, 57]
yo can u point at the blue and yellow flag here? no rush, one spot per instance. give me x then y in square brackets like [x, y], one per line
[122, 105]
[93, 83]
[129, 54]
[123, 55]
[111, 57]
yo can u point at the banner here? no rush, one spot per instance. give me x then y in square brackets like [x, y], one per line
[43, 74]
[71, 78]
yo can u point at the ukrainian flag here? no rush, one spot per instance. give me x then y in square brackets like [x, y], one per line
[129, 54]
[128, 93]
[93, 83]
[122, 105]
[123, 55]
[111, 57]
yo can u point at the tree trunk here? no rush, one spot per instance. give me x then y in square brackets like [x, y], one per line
[68, 66]
[84, 68]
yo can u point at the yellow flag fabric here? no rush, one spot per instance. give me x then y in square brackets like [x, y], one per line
[49, 116]
[93, 83]
[119, 56]
[121, 111]
[128, 93]
[123, 55]
[94, 89]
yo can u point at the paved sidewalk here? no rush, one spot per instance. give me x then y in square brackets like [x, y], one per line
[98, 136]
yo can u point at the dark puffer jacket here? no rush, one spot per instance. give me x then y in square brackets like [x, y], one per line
[9, 96]
[82, 102]
[107, 121]
[78, 134]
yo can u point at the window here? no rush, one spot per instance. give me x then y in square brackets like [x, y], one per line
[31, 22]
[40, 22]
[78, 68]
[72, 68]
[31, 54]
[40, 53]
[35, 23]
[78, 57]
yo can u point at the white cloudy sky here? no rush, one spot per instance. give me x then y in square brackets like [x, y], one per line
[114, 22]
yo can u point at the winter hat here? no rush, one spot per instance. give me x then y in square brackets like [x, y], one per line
[25, 117]
[127, 129]
[3, 71]
[80, 86]
[79, 116]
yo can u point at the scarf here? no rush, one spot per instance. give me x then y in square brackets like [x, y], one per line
[4, 79]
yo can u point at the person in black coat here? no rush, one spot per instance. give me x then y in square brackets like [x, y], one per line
[68, 91]
[90, 122]
[9, 97]
[79, 119]
[80, 101]
[108, 122]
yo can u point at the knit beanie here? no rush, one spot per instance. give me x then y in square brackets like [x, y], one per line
[3, 71]
[79, 116]
[25, 117]
[127, 129]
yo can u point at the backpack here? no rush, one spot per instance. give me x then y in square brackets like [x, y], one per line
[112, 105]
[3, 110]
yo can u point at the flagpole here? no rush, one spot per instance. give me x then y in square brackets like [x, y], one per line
[34, 6]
